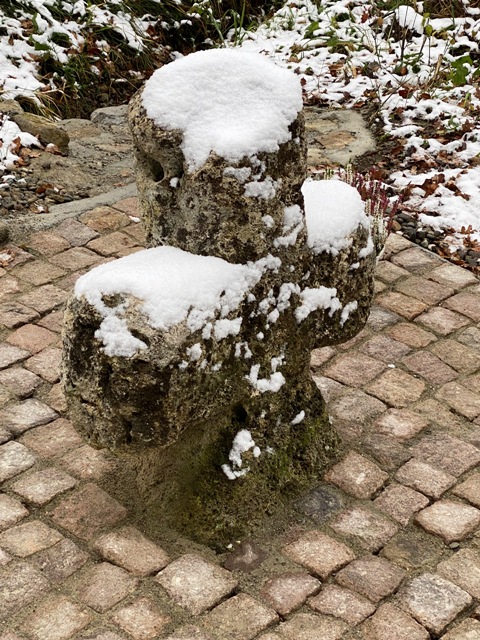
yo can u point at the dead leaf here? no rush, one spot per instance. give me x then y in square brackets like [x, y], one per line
[51, 148]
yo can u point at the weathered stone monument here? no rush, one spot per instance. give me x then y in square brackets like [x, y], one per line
[190, 360]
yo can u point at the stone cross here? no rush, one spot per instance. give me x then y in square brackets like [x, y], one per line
[190, 360]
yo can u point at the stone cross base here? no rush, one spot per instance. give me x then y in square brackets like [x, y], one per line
[191, 360]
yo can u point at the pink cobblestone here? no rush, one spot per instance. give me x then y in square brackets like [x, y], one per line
[342, 603]
[433, 601]
[397, 388]
[103, 586]
[319, 553]
[131, 550]
[196, 584]
[289, 591]
[371, 530]
[142, 619]
[372, 577]
[357, 475]
[450, 520]
[57, 618]
[401, 424]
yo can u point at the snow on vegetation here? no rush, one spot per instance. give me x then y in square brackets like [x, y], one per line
[37, 27]
[12, 139]
[421, 73]
[227, 101]
[420, 70]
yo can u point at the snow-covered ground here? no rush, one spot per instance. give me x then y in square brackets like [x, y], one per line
[421, 73]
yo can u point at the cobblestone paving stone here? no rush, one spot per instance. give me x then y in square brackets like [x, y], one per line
[387, 547]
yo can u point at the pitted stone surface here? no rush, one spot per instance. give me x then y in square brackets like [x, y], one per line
[27, 584]
[196, 584]
[252, 211]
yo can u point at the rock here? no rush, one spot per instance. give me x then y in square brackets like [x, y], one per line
[214, 408]
[246, 557]
[108, 116]
[10, 107]
[4, 233]
[47, 132]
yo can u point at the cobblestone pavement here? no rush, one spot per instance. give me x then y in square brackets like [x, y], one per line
[389, 544]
